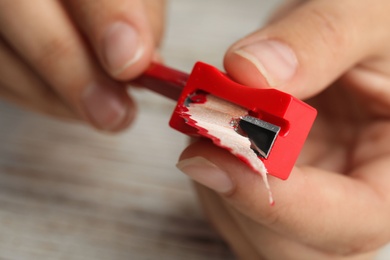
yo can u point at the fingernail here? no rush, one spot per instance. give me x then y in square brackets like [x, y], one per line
[275, 60]
[205, 172]
[121, 47]
[104, 107]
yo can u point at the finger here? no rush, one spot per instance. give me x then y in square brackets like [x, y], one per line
[123, 33]
[225, 226]
[156, 11]
[22, 86]
[44, 37]
[283, 9]
[251, 240]
[273, 245]
[310, 203]
[309, 48]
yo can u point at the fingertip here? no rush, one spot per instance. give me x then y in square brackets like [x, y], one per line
[263, 63]
[224, 173]
[126, 52]
[243, 71]
[127, 120]
[206, 173]
[107, 106]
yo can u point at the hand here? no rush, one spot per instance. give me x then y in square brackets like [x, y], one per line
[336, 203]
[63, 57]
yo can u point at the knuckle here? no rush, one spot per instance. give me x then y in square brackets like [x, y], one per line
[54, 51]
[271, 218]
[330, 26]
[156, 13]
[354, 248]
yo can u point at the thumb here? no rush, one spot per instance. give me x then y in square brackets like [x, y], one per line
[310, 47]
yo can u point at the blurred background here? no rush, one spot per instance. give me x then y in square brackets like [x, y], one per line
[67, 192]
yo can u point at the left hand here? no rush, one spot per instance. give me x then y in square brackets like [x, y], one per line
[72, 58]
[336, 203]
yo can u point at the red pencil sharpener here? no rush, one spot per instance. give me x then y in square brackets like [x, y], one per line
[292, 117]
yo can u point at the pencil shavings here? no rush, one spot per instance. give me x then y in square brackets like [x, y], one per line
[215, 119]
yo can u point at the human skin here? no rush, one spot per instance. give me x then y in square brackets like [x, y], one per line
[336, 204]
[69, 58]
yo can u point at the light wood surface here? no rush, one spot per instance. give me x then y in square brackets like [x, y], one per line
[68, 192]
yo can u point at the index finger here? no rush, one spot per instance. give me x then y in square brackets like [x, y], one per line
[317, 207]
[122, 32]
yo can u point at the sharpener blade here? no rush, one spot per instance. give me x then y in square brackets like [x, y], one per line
[261, 134]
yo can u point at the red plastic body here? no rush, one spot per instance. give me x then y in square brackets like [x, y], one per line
[293, 116]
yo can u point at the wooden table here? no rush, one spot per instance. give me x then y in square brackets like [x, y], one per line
[67, 192]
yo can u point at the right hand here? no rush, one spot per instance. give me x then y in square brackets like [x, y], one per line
[64, 58]
[336, 203]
